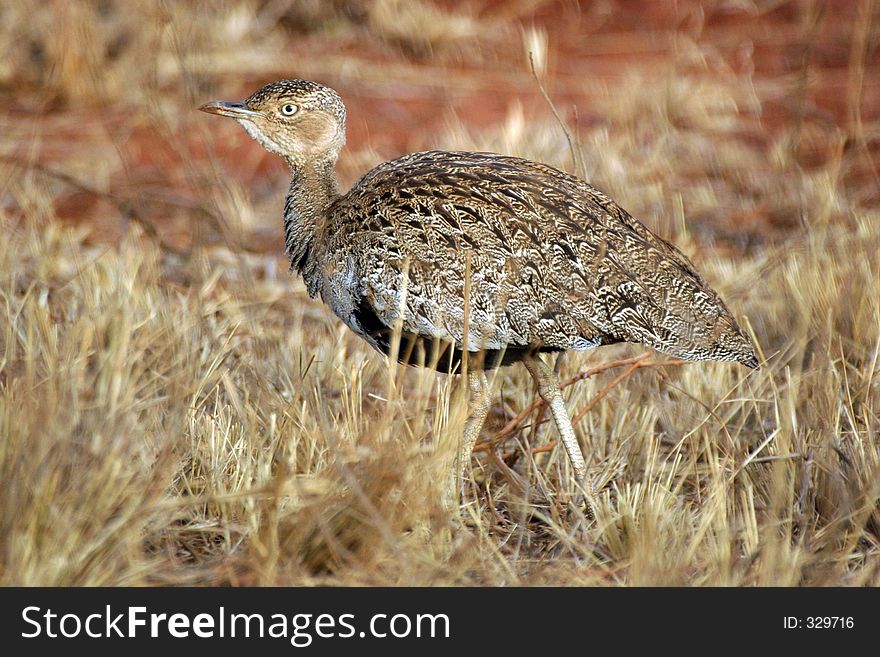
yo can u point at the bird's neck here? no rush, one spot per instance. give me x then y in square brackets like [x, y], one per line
[313, 188]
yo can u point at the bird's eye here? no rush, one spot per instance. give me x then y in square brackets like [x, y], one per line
[288, 109]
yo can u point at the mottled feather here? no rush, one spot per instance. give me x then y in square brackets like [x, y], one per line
[555, 264]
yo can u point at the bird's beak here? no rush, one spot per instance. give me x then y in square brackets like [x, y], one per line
[235, 110]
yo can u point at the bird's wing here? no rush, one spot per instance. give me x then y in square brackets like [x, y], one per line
[547, 259]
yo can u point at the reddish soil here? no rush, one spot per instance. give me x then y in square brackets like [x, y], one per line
[399, 102]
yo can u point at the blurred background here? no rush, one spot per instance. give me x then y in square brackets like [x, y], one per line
[174, 409]
[757, 92]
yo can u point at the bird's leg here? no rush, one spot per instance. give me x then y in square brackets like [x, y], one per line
[548, 387]
[481, 401]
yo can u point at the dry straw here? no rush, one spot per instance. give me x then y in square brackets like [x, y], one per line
[193, 418]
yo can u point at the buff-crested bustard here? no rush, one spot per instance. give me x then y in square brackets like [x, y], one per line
[495, 257]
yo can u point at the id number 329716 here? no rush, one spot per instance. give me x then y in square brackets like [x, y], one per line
[818, 622]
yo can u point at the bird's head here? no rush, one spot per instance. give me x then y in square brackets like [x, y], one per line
[300, 120]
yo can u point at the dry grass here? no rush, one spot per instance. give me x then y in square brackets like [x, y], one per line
[193, 418]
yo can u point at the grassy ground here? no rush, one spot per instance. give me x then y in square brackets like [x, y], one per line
[175, 410]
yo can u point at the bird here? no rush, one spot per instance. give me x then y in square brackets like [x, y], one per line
[478, 260]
